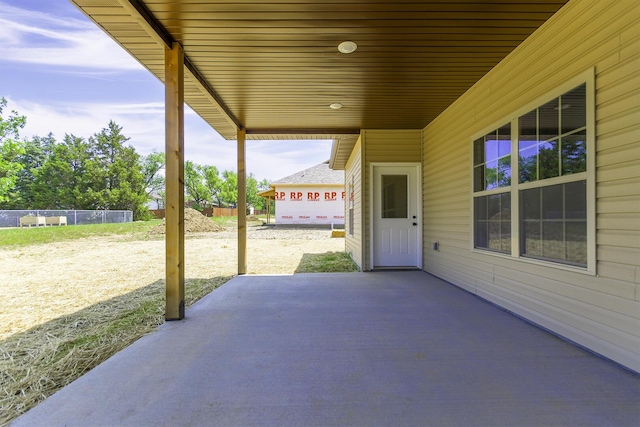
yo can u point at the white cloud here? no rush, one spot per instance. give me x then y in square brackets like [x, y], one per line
[65, 44]
[143, 123]
[38, 38]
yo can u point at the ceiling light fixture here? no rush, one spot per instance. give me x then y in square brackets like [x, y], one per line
[347, 47]
[335, 106]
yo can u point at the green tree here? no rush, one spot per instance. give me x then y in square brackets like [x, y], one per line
[214, 183]
[10, 149]
[116, 179]
[194, 184]
[61, 182]
[229, 193]
[263, 186]
[152, 166]
[36, 153]
[499, 176]
[102, 173]
[253, 188]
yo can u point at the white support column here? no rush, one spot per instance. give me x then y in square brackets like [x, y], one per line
[174, 205]
[242, 204]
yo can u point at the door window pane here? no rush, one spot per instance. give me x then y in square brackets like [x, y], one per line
[395, 196]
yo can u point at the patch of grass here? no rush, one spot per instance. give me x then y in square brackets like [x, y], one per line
[37, 363]
[16, 237]
[225, 221]
[328, 262]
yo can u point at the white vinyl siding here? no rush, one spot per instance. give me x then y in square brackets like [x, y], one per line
[600, 312]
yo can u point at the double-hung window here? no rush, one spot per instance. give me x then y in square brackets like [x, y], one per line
[535, 168]
[552, 143]
[492, 196]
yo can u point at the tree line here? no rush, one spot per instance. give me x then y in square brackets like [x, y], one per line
[206, 186]
[101, 172]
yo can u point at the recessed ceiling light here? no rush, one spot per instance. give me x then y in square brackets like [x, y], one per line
[347, 47]
[335, 106]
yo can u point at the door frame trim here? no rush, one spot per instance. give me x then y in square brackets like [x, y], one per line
[418, 168]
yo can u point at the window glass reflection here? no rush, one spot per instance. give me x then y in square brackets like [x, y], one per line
[394, 196]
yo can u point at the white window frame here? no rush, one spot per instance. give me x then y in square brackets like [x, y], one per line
[587, 77]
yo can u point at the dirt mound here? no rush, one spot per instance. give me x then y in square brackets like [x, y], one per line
[194, 222]
[253, 218]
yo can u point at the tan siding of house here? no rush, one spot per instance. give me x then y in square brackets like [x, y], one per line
[353, 171]
[385, 146]
[601, 312]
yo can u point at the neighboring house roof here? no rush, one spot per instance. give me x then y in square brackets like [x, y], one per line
[319, 174]
[267, 193]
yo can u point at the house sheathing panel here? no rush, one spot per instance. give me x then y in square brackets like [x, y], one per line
[599, 311]
[309, 204]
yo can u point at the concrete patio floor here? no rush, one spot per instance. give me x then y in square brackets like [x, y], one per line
[388, 349]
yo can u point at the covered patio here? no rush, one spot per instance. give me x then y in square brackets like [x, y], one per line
[385, 348]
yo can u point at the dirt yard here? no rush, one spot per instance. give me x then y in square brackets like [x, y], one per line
[42, 282]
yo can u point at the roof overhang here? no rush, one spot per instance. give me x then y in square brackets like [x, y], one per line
[270, 193]
[341, 150]
[273, 68]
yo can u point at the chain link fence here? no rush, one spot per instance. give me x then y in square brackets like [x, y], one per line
[11, 218]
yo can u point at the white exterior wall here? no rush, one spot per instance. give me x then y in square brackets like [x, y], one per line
[304, 204]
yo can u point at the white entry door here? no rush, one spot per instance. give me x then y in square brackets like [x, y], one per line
[396, 221]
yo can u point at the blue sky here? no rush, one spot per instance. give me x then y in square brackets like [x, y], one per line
[67, 76]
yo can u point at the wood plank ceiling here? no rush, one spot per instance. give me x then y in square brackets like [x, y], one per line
[274, 68]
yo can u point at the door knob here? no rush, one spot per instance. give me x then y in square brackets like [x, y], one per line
[415, 223]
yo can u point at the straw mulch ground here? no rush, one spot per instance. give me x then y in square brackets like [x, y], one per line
[67, 306]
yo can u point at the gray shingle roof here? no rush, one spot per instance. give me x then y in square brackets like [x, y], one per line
[319, 174]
